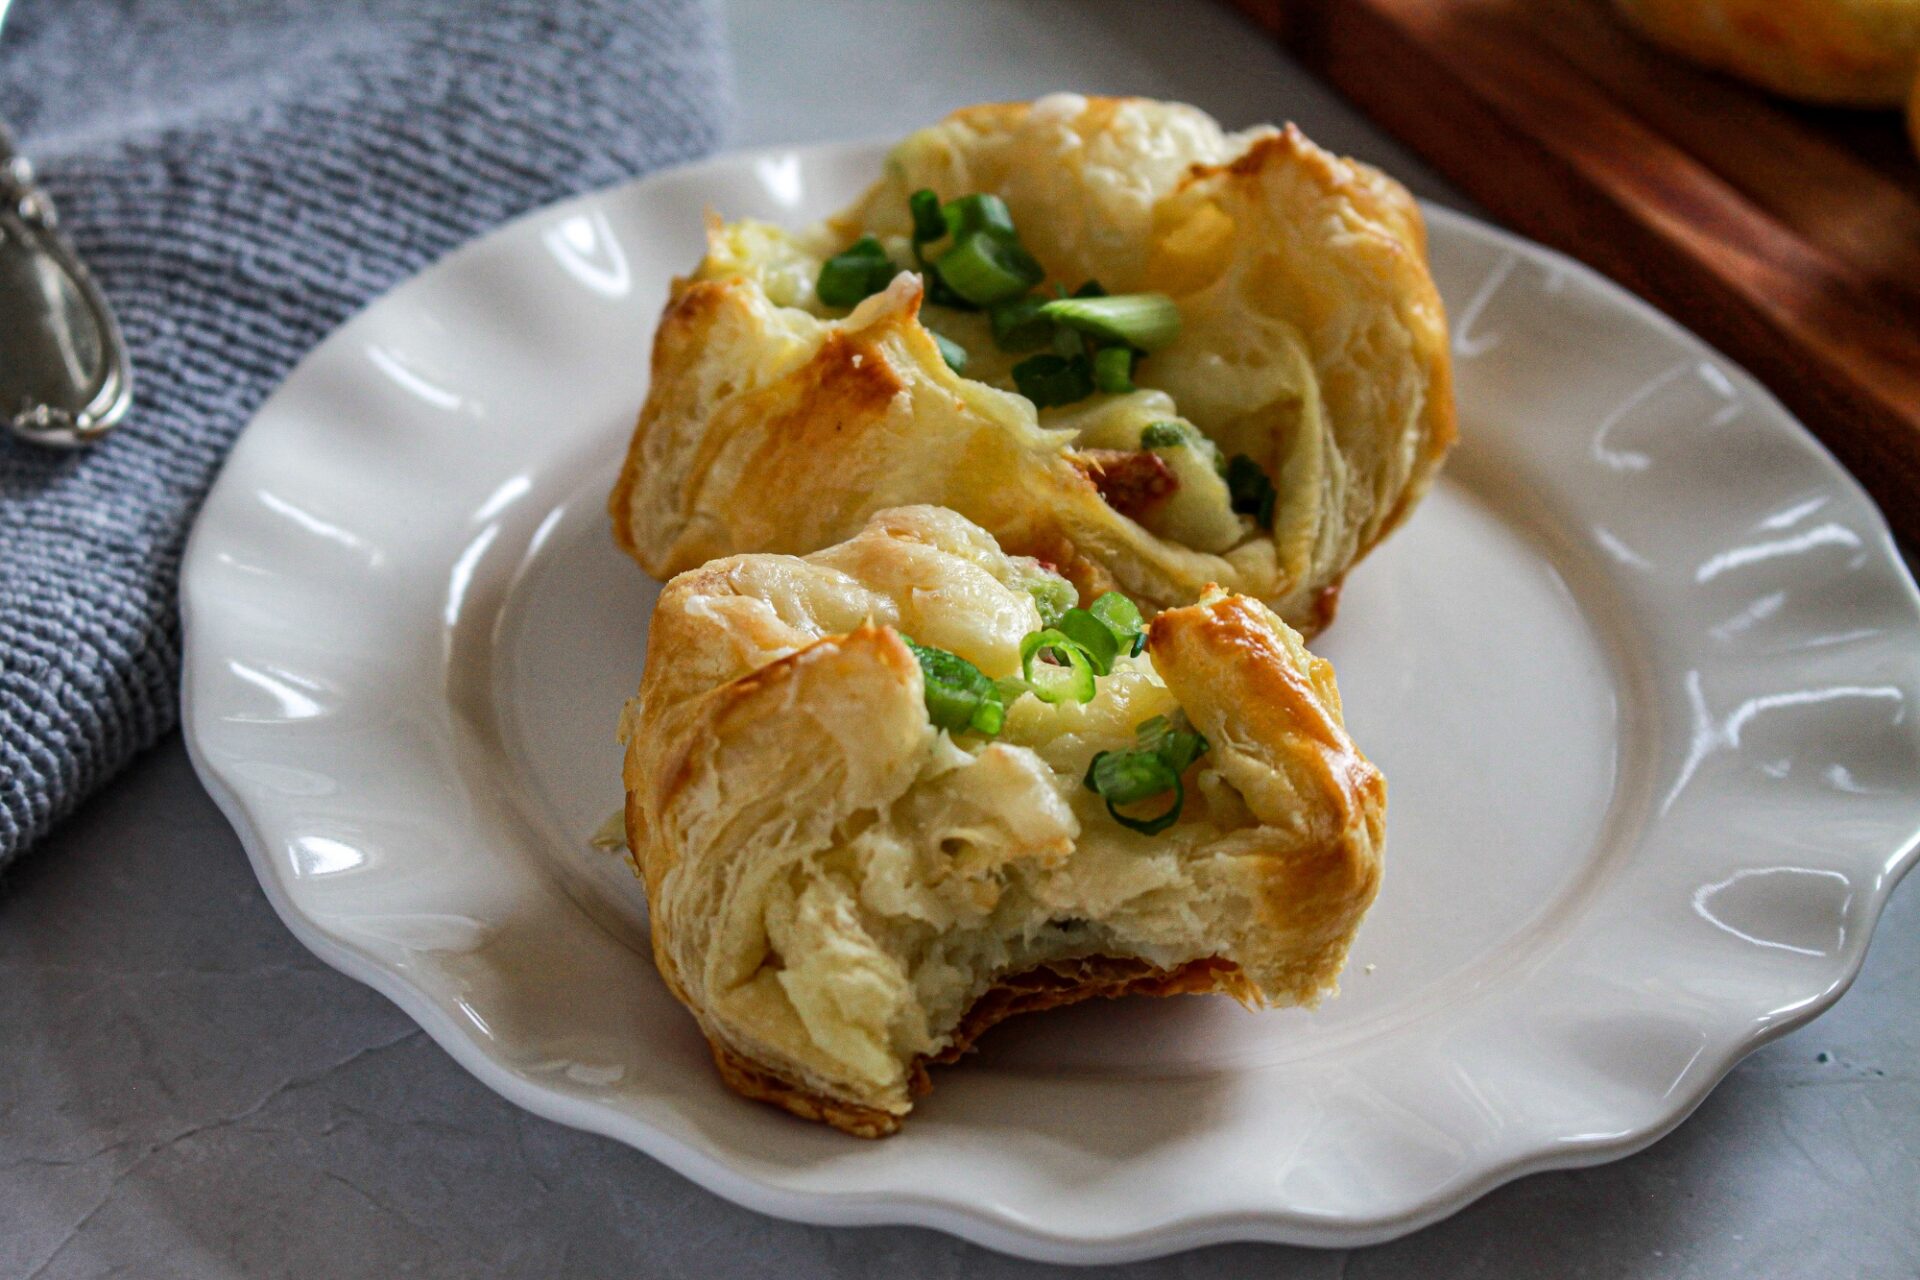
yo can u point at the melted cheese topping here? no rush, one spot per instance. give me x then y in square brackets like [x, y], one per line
[1199, 514]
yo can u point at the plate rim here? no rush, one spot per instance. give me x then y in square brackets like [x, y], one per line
[985, 1225]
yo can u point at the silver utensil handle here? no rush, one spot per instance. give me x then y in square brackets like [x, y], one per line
[65, 377]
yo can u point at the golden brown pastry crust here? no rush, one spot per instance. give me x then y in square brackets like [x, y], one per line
[1844, 52]
[1313, 339]
[763, 733]
[1242, 680]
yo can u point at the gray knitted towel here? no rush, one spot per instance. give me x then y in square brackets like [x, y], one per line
[242, 175]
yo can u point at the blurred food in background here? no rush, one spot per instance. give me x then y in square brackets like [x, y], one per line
[1849, 53]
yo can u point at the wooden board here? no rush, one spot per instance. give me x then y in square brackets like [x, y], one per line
[1789, 237]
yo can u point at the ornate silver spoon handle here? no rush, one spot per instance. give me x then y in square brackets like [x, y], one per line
[64, 374]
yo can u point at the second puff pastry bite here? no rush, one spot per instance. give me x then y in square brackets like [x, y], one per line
[1259, 391]
[1860, 53]
[891, 793]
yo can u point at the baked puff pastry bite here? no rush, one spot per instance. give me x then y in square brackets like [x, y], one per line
[866, 835]
[1277, 400]
[1863, 53]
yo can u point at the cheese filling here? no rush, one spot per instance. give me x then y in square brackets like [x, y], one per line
[1187, 500]
[994, 861]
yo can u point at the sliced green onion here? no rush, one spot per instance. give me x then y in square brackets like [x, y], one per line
[1053, 597]
[1049, 380]
[952, 352]
[1068, 344]
[1049, 683]
[941, 296]
[1113, 370]
[929, 223]
[1108, 628]
[958, 694]
[970, 215]
[857, 272]
[1019, 326]
[1148, 321]
[1163, 435]
[1122, 617]
[1129, 777]
[1154, 768]
[985, 269]
[1173, 740]
[1010, 689]
[1092, 635]
[1249, 490]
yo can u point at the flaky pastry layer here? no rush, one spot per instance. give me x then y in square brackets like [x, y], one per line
[1312, 340]
[842, 893]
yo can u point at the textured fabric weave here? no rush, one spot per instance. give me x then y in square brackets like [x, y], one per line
[242, 175]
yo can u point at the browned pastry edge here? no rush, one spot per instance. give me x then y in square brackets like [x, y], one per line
[1047, 987]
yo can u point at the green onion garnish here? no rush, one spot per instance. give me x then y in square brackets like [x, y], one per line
[1249, 490]
[857, 272]
[1092, 636]
[941, 296]
[958, 694]
[929, 223]
[1096, 340]
[1153, 769]
[1011, 688]
[1053, 597]
[985, 268]
[970, 215]
[1049, 380]
[1113, 370]
[1072, 678]
[952, 352]
[1122, 617]
[1068, 344]
[1108, 628]
[1128, 777]
[1174, 742]
[1019, 326]
[1163, 435]
[1148, 321]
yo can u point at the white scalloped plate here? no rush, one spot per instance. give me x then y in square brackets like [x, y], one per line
[1639, 672]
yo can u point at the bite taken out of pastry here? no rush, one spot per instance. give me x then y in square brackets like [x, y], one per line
[887, 795]
[1153, 353]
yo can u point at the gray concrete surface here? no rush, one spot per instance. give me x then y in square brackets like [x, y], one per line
[185, 1092]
